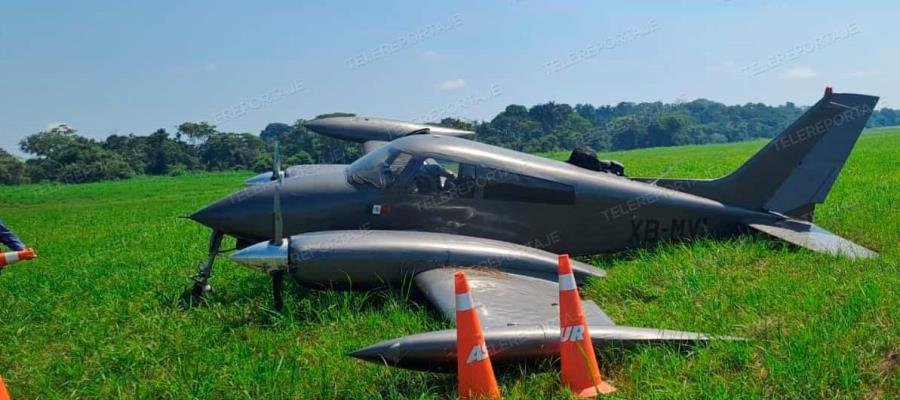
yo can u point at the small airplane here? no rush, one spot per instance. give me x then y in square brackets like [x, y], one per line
[424, 203]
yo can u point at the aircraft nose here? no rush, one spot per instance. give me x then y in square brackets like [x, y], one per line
[246, 213]
[214, 214]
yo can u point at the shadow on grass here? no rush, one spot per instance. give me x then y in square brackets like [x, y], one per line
[252, 302]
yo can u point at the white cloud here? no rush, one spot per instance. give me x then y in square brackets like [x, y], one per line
[799, 73]
[211, 67]
[452, 84]
[432, 55]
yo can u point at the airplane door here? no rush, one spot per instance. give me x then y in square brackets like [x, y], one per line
[436, 196]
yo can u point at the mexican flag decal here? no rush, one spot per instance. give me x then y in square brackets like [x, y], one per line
[380, 209]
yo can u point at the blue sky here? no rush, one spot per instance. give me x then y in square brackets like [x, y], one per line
[132, 67]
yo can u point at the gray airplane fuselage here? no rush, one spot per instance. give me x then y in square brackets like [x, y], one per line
[507, 196]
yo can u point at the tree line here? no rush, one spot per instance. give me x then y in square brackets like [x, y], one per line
[60, 154]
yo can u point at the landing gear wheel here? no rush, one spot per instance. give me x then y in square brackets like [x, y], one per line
[201, 286]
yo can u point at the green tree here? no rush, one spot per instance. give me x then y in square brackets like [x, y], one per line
[133, 149]
[275, 130]
[456, 123]
[230, 151]
[63, 156]
[46, 144]
[165, 155]
[12, 170]
[196, 132]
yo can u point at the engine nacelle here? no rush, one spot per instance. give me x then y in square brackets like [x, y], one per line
[368, 258]
[362, 259]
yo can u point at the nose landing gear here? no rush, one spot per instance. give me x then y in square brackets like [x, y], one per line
[204, 269]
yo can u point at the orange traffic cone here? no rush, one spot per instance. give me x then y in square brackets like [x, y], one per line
[16, 256]
[474, 370]
[580, 371]
[4, 395]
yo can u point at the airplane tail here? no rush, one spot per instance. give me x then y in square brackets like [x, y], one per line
[795, 171]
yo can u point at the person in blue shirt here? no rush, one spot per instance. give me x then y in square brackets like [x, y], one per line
[8, 238]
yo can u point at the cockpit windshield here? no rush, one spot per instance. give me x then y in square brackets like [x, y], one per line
[379, 168]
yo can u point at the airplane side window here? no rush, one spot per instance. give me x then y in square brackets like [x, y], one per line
[448, 178]
[393, 170]
[508, 186]
[399, 164]
[379, 168]
[466, 181]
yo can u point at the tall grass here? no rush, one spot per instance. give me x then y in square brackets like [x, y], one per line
[100, 313]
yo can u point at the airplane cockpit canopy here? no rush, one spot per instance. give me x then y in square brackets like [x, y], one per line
[461, 160]
[379, 168]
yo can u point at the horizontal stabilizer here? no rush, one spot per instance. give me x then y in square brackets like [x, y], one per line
[813, 237]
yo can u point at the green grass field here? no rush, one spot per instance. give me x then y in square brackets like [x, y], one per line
[100, 314]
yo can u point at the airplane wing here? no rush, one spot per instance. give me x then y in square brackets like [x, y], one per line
[375, 132]
[372, 145]
[503, 299]
[520, 318]
[813, 237]
[515, 292]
